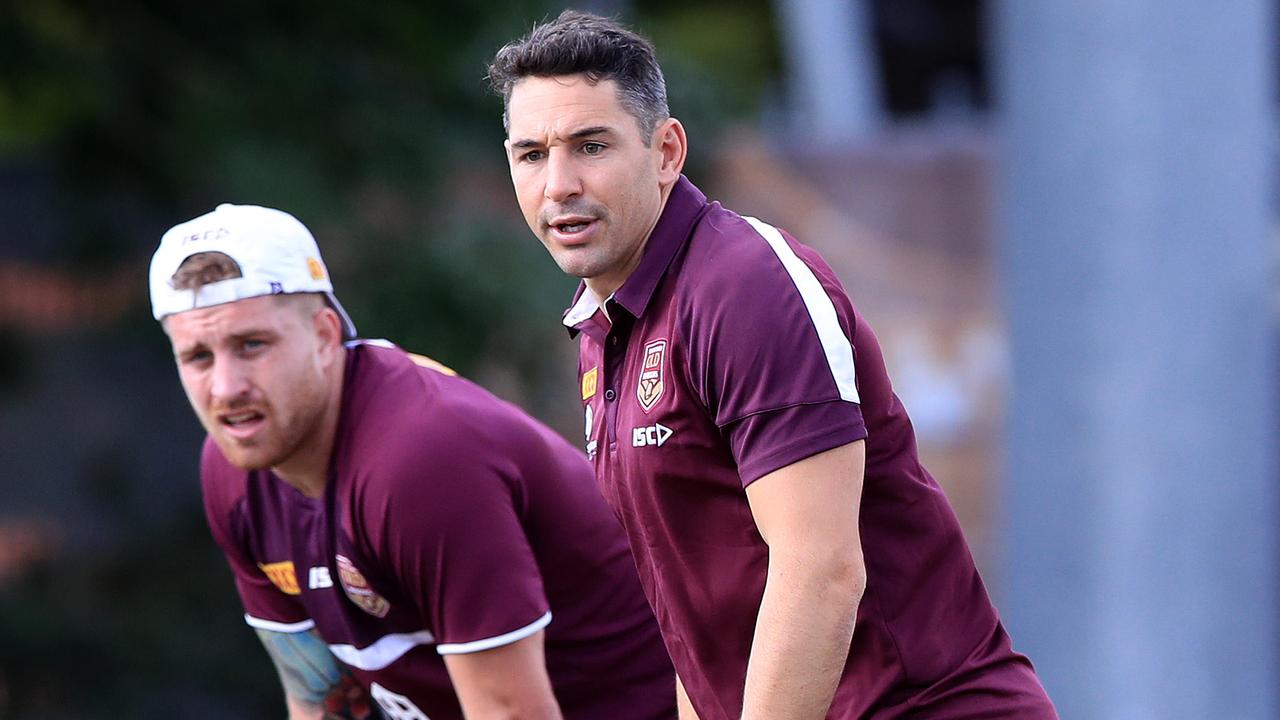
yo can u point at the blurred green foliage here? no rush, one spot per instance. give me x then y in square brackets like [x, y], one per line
[372, 123]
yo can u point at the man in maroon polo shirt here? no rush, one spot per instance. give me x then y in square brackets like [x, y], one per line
[397, 535]
[800, 561]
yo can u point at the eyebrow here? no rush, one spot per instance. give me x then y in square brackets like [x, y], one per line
[188, 350]
[256, 332]
[576, 135]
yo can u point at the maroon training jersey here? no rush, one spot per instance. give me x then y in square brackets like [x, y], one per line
[729, 353]
[451, 523]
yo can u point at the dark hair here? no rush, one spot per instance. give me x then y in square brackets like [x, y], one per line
[204, 268]
[596, 47]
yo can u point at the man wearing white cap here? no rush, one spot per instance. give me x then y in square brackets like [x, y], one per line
[395, 532]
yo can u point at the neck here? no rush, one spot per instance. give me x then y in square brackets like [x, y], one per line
[307, 469]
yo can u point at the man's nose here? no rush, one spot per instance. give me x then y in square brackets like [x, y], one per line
[229, 380]
[563, 181]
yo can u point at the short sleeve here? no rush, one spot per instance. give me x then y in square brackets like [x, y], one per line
[771, 355]
[456, 544]
[767, 441]
[266, 606]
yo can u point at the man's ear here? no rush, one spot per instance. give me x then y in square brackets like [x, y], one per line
[670, 141]
[328, 327]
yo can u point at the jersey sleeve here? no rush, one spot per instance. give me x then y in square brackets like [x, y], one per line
[770, 355]
[266, 605]
[456, 545]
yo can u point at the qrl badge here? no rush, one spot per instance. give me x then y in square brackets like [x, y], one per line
[281, 575]
[652, 380]
[359, 590]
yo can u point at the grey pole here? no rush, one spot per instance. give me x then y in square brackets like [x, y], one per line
[1142, 507]
[831, 59]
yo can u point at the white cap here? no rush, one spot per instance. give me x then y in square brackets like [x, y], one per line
[275, 252]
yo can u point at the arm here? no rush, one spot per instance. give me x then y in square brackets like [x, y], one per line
[508, 682]
[684, 708]
[807, 512]
[315, 688]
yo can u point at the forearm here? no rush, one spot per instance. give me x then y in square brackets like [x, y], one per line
[684, 708]
[802, 637]
[315, 686]
[509, 682]
[345, 701]
[302, 709]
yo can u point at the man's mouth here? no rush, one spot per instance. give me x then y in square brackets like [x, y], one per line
[568, 226]
[571, 228]
[242, 424]
[240, 418]
[570, 231]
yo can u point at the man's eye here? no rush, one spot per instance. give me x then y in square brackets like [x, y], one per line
[202, 356]
[532, 156]
[593, 148]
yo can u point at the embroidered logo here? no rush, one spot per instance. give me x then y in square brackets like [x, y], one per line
[207, 235]
[650, 435]
[426, 362]
[358, 589]
[315, 268]
[589, 383]
[651, 384]
[318, 578]
[590, 426]
[281, 575]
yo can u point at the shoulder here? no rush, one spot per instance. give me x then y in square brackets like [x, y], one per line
[392, 405]
[740, 271]
[418, 432]
[724, 244]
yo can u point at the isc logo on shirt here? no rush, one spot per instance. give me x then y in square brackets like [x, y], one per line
[654, 434]
[318, 578]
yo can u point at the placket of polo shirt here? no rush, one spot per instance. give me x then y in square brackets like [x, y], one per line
[615, 352]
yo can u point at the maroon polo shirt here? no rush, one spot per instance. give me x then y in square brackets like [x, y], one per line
[733, 351]
[451, 523]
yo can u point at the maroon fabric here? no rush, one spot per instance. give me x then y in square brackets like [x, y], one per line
[707, 373]
[451, 512]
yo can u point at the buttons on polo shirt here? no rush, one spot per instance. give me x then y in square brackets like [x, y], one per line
[610, 395]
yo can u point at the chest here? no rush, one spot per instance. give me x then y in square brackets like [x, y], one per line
[638, 405]
[660, 460]
[307, 550]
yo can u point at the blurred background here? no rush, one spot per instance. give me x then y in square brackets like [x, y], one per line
[1059, 217]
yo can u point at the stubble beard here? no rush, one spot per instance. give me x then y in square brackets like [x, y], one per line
[584, 261]
[280, 439]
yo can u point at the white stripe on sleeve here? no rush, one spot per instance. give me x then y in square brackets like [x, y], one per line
[498, 641]
[821, 310]
[274, 626]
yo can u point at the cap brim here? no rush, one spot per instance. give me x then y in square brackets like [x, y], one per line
[348, 327]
